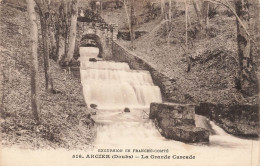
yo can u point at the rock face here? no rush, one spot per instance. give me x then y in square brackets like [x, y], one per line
[125, 34]
[240, 120]
[167, 84]
[176, 121]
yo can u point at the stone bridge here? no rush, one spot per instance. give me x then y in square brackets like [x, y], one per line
[100, 35]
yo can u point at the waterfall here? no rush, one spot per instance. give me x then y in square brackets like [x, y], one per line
[114, 85]
[133, 130]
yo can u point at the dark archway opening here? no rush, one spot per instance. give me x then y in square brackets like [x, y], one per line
[92, 40]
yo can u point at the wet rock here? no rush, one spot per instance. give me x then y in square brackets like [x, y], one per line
[92, 60]
[172, 110]
[169, 122]
[240, 120]
[94, 106]
[189, 134]
[126, 110]
[176, 121]
[204, 122]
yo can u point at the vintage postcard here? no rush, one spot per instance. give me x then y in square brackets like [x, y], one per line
[129, 82]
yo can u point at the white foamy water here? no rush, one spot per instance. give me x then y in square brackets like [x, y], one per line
[133, 77]
[90, 52]
[103, 65]
[223, 149]
[113, 85]
[112, 92]
[116, 85]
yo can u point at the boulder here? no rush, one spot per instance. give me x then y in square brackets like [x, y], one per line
[172, 110]
[94, 106]
[126, 110]
[92, 60]
[188, 134]
[176, 121]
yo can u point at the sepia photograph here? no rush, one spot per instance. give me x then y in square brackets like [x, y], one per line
[129, 82]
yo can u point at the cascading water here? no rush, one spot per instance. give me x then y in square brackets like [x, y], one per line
[133, 130]
[113, 87]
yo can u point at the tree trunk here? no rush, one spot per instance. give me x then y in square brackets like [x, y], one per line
[132, 23]
[2, 83]
[163, 8]
[52, 42]
[247, 82]
[58, 35]
[101, 6]
[33, 60]
[254, 9]
[44, 13]
[61, 55]
[205, 13]
[197, 10]
[186, 36]
[57, 39]
[129, 23]
[66, 25]
[48, 77]
[169, 29]
[201, 28]
[72, 31]
[170, 11]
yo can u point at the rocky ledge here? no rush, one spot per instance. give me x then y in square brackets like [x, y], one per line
[176, 121]
[239, 120]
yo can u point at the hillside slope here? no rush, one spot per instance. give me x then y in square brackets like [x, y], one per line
[214, 57]
[65, 122]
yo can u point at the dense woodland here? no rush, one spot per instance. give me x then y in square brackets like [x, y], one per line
[38, 46]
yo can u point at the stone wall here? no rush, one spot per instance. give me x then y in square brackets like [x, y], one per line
[104, 33]
[240, 120]
[166, 84]
[176, 121]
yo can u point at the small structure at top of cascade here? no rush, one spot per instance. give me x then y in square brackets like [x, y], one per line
[92, 40]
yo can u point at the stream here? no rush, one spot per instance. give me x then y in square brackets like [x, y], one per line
[112, 87]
